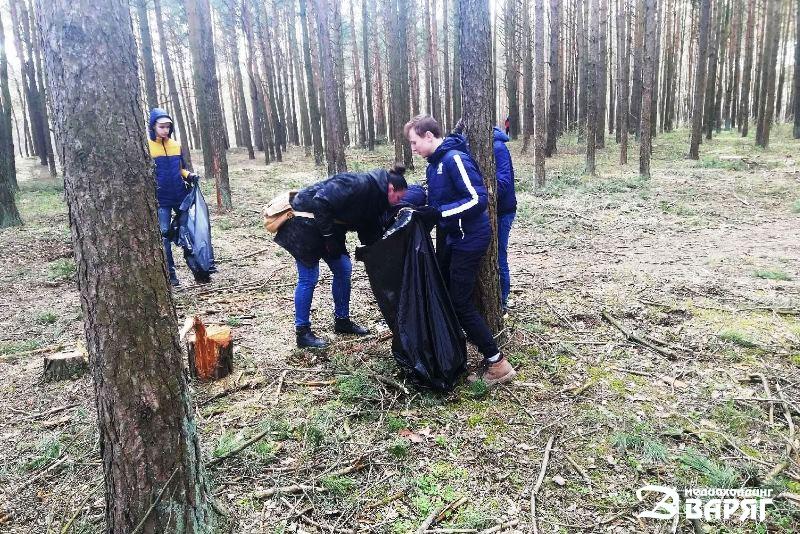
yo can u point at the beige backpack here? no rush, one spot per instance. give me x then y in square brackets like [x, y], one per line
[279, 210]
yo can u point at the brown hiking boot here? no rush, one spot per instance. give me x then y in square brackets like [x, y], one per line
[492, 374]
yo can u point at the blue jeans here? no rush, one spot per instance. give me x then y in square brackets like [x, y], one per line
[504, 223]
[164, 218]
[307, 278]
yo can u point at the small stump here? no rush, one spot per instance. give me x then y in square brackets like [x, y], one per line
[210, 351]
[64, 365]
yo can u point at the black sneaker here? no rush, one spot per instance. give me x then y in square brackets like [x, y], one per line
[307, 339]
[346, 326]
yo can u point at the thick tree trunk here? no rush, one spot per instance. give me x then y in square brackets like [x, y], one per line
[147, 54]
[744, 108]
[337, 40]
[8, 169]
[334, 148]
[365, 32]
[623, 67]
[433, 52]
[539, 97]
[782, 62]
[700, 79]
[555, 78]
[311, 89]
[591, 86]
[713, 58]
[733, 66]
[511, 67]
[36, 53]
[303, 98]
[581, 37]
[399, 98]
[183, 129]
[272, 95]
[240, 111]
[456, 78]
[411, 53]
[209, 106]
[648, 78]
[378, 93]
[154, 480]
[475, 43]
[254, 87]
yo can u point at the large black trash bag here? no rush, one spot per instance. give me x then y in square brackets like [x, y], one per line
[428, 342]
[191, 230]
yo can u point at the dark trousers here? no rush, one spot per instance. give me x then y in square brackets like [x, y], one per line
[460, 269]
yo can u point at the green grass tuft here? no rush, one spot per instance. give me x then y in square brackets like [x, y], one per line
[62, 269]
[738, 338]
[775, 274]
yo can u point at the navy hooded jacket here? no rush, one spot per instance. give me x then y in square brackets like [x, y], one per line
[506, 195]
[170, 169]
[456, 189]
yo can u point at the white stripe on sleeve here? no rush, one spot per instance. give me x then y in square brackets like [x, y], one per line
[473, 194]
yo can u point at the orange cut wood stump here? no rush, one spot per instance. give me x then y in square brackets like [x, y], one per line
[210, 351]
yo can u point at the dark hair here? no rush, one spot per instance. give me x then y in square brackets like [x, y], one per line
[422, 124]
[396, 177]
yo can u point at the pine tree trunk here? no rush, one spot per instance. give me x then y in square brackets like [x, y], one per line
[447, 110]
[623, 21]
[311, 88]
[209, 106]
[583, 64]
[337, 38]
[411, 54]
[796, 92]
[711, 83]
[238, 85]
[359, 90]
[8, 169]
[183, 129]
[733, 65]
[456, 77]
[147, 54]
[659, 14]
[270, 75]
[527, 77]
[744, 108]
[304, 93]
[700, 79]
[378, 94]
[511, 68]
[433, 52]
[611, 95]
[553, 116]
[539, 97]
[154, 477]
[591, 85]
[622, 63]
[602, 75]
[723, 50]
[399, 98]
[648, 78]
[475, 43]
[636, 80]
[782, 62]
[334, 148]
[769, 65]
[365, 32]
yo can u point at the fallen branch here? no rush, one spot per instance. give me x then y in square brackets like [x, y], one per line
[429, 520]
[638, 339]
[239, 449]
[286, 490]
[277, 396]
[450, 507]
[246, 385]
[80, 507]
[498, 528]
[538, 484]
[579, 470]
[390, 382]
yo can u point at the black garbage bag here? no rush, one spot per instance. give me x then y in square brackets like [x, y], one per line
[428, 342]
[191, 230]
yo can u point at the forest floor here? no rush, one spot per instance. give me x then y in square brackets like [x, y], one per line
[701, 262]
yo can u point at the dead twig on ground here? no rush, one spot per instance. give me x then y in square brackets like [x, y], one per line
[498, 528]
[80, 507]
[250, 384]
[664, 351]
[538, 484]
[258, 437]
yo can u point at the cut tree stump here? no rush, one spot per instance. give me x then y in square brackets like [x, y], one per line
[64, 365]
[210, 351]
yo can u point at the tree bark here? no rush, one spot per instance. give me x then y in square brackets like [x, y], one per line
[447, 114]
[622, 76]
[581, 37]
[528, 118]
[8, 169]
[475, 43]
[337, 38]
[602, 75]
[154, 479]
[269, 76]
[433, 53]
[399, 98]
[713, 58]
[648, 78]
[334, 148]
[555, 78]
[636, 80]
[411, 53]
[700, 79]
[238, 83]
[209, 106]
[456, 78]
[539, 97]
[378, 94]
[147, 54]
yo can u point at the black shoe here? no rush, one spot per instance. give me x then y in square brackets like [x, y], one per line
[307, 339]
[346, 326]
[202, 278]
[173, 281]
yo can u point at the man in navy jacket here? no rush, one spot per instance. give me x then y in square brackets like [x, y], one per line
[457, 197]
[506, 209]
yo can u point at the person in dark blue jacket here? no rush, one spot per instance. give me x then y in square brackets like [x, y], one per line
[458, 198]
[506, 209]
[172, 178]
